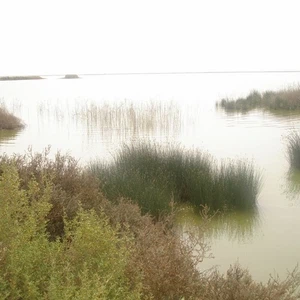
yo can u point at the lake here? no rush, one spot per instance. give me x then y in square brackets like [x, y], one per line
[92, 117]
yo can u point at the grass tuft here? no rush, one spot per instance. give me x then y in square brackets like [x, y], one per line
[153, 177]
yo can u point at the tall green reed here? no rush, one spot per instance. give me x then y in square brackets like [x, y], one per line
[154, 176]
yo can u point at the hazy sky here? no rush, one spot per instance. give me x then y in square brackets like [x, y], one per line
[61, 36]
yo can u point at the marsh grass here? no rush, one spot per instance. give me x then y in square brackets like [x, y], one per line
[153, 177]
[285, 99]
[293, 149]
[8, 121]
[128, 117]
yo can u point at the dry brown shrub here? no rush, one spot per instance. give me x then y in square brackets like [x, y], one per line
[237, 284]
[8, 120]
[71, 185]
[166, 261]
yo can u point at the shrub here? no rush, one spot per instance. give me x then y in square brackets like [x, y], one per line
[88, 263]
[237, 284]
[70, 183]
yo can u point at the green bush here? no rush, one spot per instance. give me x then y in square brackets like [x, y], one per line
[89, 262]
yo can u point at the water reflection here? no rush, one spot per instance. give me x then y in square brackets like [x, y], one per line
[292, 187]
[8, 136]
[237, 226]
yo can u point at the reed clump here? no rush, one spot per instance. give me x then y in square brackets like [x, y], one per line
[8, 120]
[128, 118]
[153, 177]
[285, 99]
[293, 149]
[113, 252]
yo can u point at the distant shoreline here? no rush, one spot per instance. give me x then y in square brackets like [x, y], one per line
[6, 78]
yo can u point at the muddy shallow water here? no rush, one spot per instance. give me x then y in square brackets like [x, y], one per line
[93, 116]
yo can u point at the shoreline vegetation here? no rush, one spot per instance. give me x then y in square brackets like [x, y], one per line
[285, 99]
[8, 121]
[4, 78]
[152, 176]
[56, 226]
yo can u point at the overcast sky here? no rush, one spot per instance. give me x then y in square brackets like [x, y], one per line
[61, 36]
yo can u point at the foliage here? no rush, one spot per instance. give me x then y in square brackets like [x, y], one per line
[70, 184]
[113, 252]
[153, 177]
[88, 263]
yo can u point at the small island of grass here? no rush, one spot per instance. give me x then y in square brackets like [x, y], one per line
[71, 76]
[6, 78]
[8, 121]
[150, 176]
[286, 99]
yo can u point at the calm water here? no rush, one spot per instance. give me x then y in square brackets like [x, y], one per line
[91, 117]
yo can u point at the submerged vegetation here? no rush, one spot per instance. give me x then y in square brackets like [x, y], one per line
[8, 120]
[101, 249]
[153, 177]
[286, 99]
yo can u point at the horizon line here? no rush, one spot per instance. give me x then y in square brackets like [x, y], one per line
[163, 73]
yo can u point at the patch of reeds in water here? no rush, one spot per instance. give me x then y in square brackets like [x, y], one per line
[293, 149]
[127, 117]
[153, 177]
[8, 120]
[285, 99]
